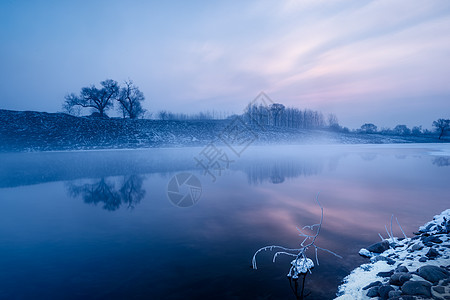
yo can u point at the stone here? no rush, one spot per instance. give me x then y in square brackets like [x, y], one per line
[402, 269]
[394, 294]
[372, 292]
[389, 261]
[376, 283]
[432, 239]
[365, 253]
[417, 288]
[399, 278]
[433, 274]
[383, 291]
[432, 253]
[439, 289]
[416, 247]
[422, 259]
[379, 247]
[385, 274]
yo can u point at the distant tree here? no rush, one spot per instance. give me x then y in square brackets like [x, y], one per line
[332, 119]
[99, 99]
[333, 123]
[402, 130]
[416, 130]
[277, 111]
[369, 128]
[442, 126]
[130, 98]
[163, 115]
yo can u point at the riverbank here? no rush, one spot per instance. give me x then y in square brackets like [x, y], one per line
[405, 268]
[23, 131]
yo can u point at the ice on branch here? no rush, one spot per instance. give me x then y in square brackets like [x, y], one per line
[301, 264]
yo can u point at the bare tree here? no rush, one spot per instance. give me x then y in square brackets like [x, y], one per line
[130, 98]
[442, 126]
[93, 97]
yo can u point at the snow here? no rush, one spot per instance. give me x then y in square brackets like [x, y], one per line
[367, 273]
[437, 219]
[365, 253]
[359, 278]
[302, 266]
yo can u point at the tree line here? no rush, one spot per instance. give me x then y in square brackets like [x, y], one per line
[278, 115]
[441, 126]
[128, 99]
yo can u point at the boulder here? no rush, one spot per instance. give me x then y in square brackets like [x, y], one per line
[385, 274]
[379, 247]
[402, 269]
[417, 288]
[432, 273]
[383, 291]
[432, 239]
[399, 278]
[432, 253]
[376, 283]
[372, 292]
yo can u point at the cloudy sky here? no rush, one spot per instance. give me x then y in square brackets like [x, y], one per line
[385, 62]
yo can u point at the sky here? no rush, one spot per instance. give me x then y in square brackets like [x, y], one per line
[383, 62]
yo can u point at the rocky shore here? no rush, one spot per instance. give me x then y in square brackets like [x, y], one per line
[405, 268]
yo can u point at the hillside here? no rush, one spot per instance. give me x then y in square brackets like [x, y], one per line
[40, 131]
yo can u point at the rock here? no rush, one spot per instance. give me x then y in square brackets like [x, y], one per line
[372, 292]
[390, 261]
[416, 247]
[432, 253]
[417, 288]
[379, 247]
[422, 259]
[365, 253]
[399, 278]
[394, 294]
[383, 291]
[439, 289]
[385, 274]
[401, 269]
[376, 283]
[432, 273]
[432, 239]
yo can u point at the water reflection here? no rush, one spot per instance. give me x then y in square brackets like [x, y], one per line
[261, 164]
[298, 287]
[276, 171]
[104, 191]
[441, 161]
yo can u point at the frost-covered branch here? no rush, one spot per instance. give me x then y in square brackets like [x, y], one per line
[301, 264]
[391, 234]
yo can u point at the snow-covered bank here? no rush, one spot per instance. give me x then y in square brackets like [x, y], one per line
[408, 268]
[39, 131]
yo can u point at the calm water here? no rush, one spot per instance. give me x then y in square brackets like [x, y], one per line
[99, 225]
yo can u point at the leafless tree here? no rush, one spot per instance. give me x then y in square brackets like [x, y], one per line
[442, 126]
[99, 99]
[130, 98]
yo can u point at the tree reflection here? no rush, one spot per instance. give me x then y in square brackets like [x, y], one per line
[298, 287]
[441, 161]
[131, 191]
[277, 171]
[104, 192]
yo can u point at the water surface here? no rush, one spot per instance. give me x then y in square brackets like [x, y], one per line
[99, 224]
